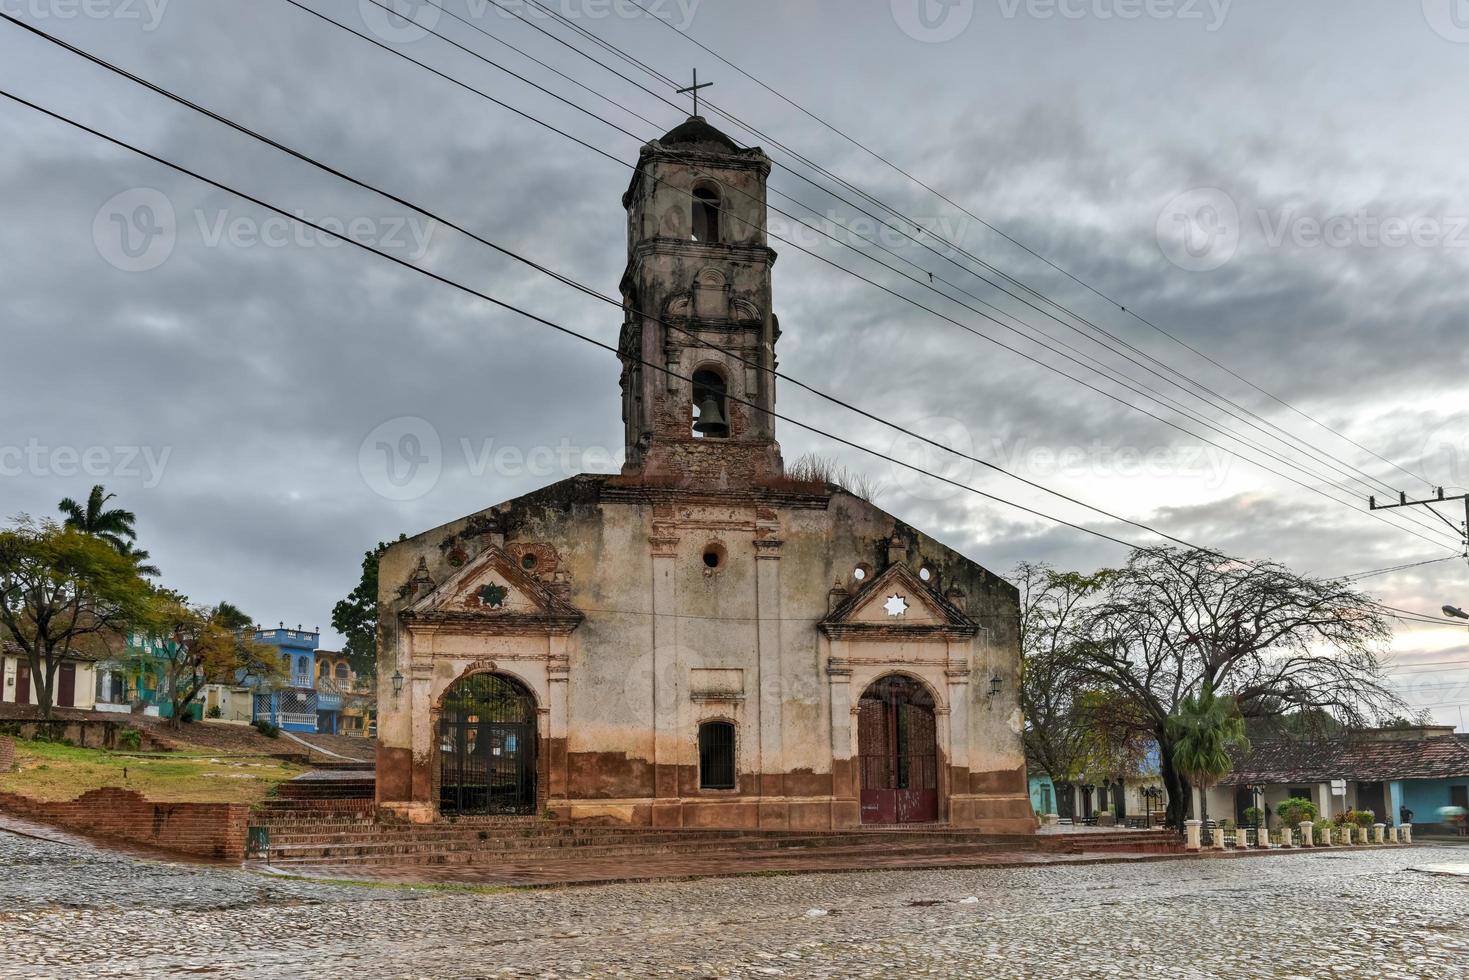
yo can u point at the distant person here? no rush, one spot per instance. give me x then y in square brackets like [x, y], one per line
[1405, 816]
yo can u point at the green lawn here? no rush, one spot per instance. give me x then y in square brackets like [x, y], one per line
[51, 771]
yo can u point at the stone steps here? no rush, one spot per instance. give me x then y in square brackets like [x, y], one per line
[746, 853]
[673, 840]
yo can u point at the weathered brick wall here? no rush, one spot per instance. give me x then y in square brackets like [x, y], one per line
[7, 754]
[212, 830]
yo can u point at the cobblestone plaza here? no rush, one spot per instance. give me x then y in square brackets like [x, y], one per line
[75, 911]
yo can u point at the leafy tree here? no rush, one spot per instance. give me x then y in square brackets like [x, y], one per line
[1205, 730]
[115, 526]
[355, 617]
[1172, 623]
[63, 594]
[207, 645]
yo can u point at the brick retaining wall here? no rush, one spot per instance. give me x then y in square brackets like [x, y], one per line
[7, 754]
[211, 830]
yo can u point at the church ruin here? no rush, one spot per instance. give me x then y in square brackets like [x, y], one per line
[700, 640]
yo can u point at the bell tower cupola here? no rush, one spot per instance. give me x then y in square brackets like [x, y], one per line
[697, 305]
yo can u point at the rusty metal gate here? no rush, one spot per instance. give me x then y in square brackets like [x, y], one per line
[897, 750]
[487, 747]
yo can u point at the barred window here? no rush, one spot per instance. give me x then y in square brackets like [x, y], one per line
[716, 755]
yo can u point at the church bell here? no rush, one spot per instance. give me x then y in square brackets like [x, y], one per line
[711, 420]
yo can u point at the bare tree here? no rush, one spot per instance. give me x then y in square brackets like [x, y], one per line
[1173, 622]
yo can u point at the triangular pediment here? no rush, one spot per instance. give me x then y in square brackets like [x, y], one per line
[897, 601]
[492, 593]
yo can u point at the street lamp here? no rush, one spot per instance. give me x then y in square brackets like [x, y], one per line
[1453, 612]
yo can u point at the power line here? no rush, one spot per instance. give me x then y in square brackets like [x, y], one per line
[1399, 568]
[566, 280]
[492, 299]
[343, 237]
[1144, 391]
[1319, 454]
[1018, 244]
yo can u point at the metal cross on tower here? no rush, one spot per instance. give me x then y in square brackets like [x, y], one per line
[694, 88]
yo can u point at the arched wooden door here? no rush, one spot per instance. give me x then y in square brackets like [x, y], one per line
[897, 748]
[487, 747]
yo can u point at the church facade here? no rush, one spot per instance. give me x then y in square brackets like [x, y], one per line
[700, 640]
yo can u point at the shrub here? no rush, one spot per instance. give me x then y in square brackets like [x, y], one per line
[1254, 816]
[130, 739]
[1296, 810]
[1320, 827]
[1364, 818]
[267, 729]
[214, 712]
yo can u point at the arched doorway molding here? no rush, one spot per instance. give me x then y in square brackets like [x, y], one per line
[898, 759]
[487, 728]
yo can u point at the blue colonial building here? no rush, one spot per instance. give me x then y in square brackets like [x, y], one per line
[293, 704]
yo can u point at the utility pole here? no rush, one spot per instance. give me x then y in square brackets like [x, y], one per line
[1403, 501]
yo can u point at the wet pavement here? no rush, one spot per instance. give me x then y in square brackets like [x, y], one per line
[72, 910]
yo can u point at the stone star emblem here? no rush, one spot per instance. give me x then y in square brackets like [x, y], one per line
[896, 605]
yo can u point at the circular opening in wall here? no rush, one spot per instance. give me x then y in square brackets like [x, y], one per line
[925, 573]
[861, 572]
[714, 555]
[528, 561]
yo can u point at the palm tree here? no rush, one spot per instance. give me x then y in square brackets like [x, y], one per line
[1205, 727]
[115, 526]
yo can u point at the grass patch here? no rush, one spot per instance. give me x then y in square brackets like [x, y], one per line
[52, 771]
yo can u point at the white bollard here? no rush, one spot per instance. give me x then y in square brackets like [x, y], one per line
[1307, 834]
[1378, 836]
[1285, 837]
[1192, 834]
[1407, 833]
[1242, 838]
[1326, 836]
[1346, 834]
[1392, 835]
[1218, 838]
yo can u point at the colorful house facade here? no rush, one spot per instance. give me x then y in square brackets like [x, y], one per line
[1390, 771]
[74, 680]
[294, 703]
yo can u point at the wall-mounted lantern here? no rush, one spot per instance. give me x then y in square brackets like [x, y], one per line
[996, 684]
[397, 683]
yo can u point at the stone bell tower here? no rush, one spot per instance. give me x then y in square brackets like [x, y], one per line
[698, 274]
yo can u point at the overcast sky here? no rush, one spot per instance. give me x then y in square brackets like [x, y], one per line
[1280, 186]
